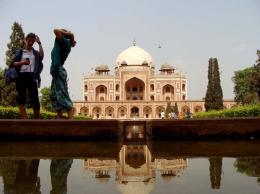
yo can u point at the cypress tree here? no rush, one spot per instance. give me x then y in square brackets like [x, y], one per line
[8, 91]
[218, 100]
[168, 110]
[175, 109]
[209, 93]
[17, 41]
[214, 95]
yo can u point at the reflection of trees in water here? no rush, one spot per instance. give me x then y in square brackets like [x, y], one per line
[59, 172]
[20, 176]
[215, 169]
[250, 167]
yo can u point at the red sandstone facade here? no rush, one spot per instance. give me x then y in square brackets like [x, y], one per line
[135, 89]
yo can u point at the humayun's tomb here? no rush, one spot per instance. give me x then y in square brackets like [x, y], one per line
[135, 89]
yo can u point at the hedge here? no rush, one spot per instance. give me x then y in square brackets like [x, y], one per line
[13, 113]
[238, 111]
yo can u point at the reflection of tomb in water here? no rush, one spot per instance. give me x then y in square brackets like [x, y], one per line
[169, 168]
[134, 132]
[135, 164]
[135, 169]
[101, 168]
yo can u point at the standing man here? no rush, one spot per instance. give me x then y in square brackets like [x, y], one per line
[60, 98]
[162, 115]
[28, 64]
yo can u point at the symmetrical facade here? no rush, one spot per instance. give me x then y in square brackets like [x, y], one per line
[135, 89]
[135, 169]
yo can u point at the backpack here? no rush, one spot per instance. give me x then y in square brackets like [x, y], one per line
[10, 75]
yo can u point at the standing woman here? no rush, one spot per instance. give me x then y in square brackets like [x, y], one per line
[61, 101]
[28, 64]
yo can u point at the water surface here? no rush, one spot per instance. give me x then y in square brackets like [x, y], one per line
[130, 167]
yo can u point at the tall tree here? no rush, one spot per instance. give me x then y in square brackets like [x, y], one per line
[168, 110]
[17, 41]
[45, 98]
[7, 91]
[218, 89]
[210, 90]
[175, 109]
[214, 94]
[242, 82]
[247, 84]
[255, 79]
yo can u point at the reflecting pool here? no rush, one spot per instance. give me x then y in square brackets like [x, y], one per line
[130, 167]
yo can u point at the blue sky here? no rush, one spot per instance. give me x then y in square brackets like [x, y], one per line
[190, 32]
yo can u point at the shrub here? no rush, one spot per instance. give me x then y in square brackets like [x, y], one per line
[238, 111]
[13, 113]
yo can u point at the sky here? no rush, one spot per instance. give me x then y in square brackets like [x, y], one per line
[189, 32]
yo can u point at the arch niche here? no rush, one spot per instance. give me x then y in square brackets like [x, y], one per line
[197, 108]
[84, 111]
[122, 112]
[134, 89]
[96, 112]
[109, 112]
[101, 93]
[147, 112]
[168, 92]
[134, 112]
[158, 111]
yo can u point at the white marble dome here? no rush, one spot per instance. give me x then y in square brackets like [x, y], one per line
[136, 187]
[134, 55]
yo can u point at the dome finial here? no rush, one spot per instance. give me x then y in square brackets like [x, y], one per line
[134, 42]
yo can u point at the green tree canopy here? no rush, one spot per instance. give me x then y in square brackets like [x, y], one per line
[17, 41]
[45, 99]
[247, 84]
[214, 94]
[242, 81]
[168, 110]
[8, 92]
[175, 109]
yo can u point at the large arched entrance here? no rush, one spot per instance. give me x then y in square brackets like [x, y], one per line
[134, 89]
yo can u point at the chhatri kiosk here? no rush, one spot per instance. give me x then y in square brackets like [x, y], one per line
[135, 89]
